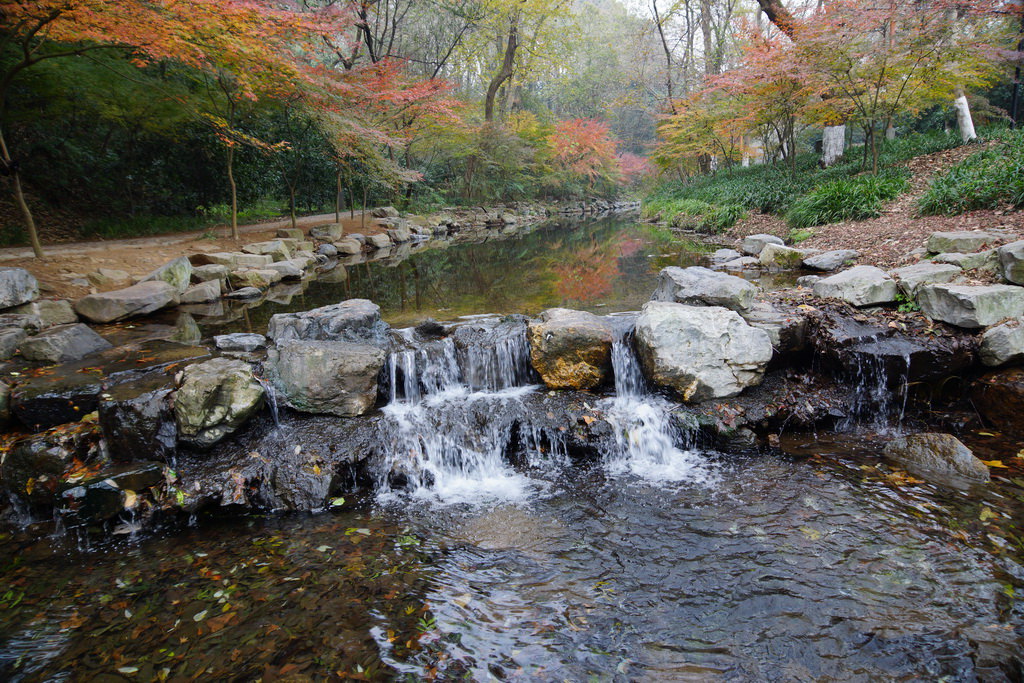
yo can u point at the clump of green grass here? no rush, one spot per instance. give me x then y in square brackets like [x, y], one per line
[693, 214]
[988, 179]
[855, 198]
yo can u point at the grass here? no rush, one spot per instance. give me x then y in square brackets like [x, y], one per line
[989, 179]
[856, 198]
[715, 202]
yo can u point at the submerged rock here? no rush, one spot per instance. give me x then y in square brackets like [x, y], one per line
[137, 419]
[700, 352]
[971, 306]
[754, 244]
[119, 304]
[698, 286]
[216, 398]
[109, 493]
[936, 456]
[63, 343]
[326, 377]
[355, 320]
[1003, 344]
[17, 286]
[860, 286]
[570, 349]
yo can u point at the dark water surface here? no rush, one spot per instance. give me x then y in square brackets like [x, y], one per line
[820, 569]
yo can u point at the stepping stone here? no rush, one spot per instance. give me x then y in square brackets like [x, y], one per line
[860, 286]
[754, 244]
[971, 306]
[119, 304]
[831, 260]
[911, 278]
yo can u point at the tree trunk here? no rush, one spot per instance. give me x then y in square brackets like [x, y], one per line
[505, 72]
[234, 192]
[19, 198]
[778, 15]
[362, 216]
[337, 197]
[351, 201]
[291, 204]
[964, 121]
[833, 141]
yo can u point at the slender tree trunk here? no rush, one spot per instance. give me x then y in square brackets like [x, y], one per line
[964, 121]
[234, 193]
[668, 56]
[19, 198]
[351, 201]
[362, 217]
[291, 204]
[874, 151]
[505, 71]
[338, 197]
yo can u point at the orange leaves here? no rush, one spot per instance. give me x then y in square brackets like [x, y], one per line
[584, 147]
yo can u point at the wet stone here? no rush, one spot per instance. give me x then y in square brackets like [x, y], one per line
[63, 343]
[10, 339]
[355, 320]
[30, 323]
[697, 286]
[570, 349]
[999, 398]
[323, 377]
[240, 341]
[937, 457]
[137, 419]
[216, 397]
[119, 304]
[33, 468]
[244, 293]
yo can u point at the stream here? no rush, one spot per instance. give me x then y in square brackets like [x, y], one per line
[487, 550]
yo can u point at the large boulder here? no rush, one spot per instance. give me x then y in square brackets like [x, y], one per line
[119, 304]
[209, 272]
[275, 249]
[385, 212]
[177, 273]
[962, 241]
[17, 286]
[698, 286]
[986, 260]
[787, 327]
[34, 466]
[754, 244]
[349, 246]
[779, 257]
[1003, 344]
[202, 293]
[326, 377]
[999, 398]
[936, 456]
[260, 278]
[379, 241]
[215, 399]
[355, 320]
[570, 349]
[1011, 260]
[971, 306]
[700, 352]
[831, 260]
[10, 340]
[860, 286]
[329, 232]
[912, 278]
[137, 419]
[288, 270]
[63, 343]
[50, 311]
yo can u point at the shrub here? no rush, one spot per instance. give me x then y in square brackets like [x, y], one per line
[987, 179]
[854, 198]
[693, 214]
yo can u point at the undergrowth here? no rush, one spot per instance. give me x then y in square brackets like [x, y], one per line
[990, 179]
[856, 198]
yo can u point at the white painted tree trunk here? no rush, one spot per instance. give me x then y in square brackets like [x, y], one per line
[890, 132]
[833, 141]
[963, 117]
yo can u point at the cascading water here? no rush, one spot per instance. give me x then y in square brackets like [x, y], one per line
[879, 374]
[645, 437]
[455, 412]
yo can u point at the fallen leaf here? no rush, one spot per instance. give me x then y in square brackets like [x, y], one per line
[994, 463]
[986, 514]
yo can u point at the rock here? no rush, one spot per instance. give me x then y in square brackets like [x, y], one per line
[212, 271]
[215, 399]
[186, 329]
[331, 232]
[177, 273]
[971, 306]
[786, 329]
[328, 250]
[912, 278]
[698, 286]
[1003, 344]
[326, 377]
[287, 270]
[831, 260]
[106, 277]
[570, 349]
[17, 286]
[10, 340]
[741, 263]
[999, 397]
[754, 244]
[291, 233]
[1011, 260]
[5, 404]
[50, 311]
[936, 455]
[244, 293]
[119, 304]
[379, 241]
[987, 260]
[357, 236]
[23, 321]
[355, 320]
[137, 419]
[701, 353]
[102, 497]
[33, 467]
[860, 286]
[385, 212]
[203, 292]
[260, 279]
[778, 257]
[962, 241]
[808, 280]
[399, 233]
[63, 343]
[253, 260]
[349, 246]
[725, 255]
[227, 259]
[240, 341]
[275, 249]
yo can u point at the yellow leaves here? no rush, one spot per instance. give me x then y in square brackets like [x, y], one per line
[987, 514]
[995, 463]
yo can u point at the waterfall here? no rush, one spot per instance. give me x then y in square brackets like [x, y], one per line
[879, 376]
[271, 396]
[453, 414]
[645, 438]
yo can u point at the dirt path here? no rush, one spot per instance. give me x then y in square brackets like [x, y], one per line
[885, 241]
[66, 264]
